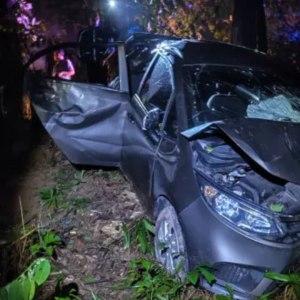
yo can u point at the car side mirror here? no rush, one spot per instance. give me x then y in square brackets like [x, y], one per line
[152, 119]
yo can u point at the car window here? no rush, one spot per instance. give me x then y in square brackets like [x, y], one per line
[95, 65]
[220, 92]
[157, 87]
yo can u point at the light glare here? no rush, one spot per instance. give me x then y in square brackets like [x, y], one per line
[112, 3]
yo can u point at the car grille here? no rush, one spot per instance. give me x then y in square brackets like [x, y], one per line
[243, 277]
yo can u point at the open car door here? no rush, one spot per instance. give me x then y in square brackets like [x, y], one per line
[84, 119]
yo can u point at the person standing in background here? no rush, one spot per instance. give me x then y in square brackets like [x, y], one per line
[63, 68]
[96, 57]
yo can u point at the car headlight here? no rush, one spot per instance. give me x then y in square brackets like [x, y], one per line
[240, 214]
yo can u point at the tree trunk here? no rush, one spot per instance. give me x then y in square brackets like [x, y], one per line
[249, 24]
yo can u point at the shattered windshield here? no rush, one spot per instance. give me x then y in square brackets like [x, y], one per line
[221, 92]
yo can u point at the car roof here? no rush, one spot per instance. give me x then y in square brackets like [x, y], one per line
[219, 53]
[196, 52]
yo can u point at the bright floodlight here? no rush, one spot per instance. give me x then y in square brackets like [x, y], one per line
[112, 3]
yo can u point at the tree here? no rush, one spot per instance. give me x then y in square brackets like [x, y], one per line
[249, 24]
[190, 19]
[64, 19]
[283, 19]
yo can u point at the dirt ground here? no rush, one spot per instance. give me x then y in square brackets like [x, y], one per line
[94, 248]
[93, 241]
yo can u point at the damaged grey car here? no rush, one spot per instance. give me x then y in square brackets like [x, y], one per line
[208, 134]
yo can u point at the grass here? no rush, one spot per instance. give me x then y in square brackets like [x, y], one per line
[149, 281]
[139, 234]
[51, 198]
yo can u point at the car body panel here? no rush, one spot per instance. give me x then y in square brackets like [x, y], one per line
[221, 53]
[173, 175]
[216, 243]
[85, 122]
[137, 158]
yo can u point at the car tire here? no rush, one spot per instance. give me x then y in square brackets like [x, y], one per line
[170, 249]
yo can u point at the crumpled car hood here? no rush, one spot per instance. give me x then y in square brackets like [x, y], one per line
[275, 146]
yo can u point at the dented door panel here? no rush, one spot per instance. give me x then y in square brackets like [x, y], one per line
[85, 121]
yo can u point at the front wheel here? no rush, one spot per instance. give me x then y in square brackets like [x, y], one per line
[169, 243]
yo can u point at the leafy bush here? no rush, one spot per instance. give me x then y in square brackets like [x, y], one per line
[291, 283]
[51, 198]
[24, 287]
[140, 234]
[45, 244]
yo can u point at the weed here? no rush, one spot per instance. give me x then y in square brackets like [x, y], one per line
[95, 297]
[24, 286]
[230, 295]
[141, 235]
[101, 172]
[114, 175]
[45, 243]
[80, 203]
[79, 179]
[51, 197]
[291, 283]
[204, 270]
[67, 180]
[149, 280]
[72, 296]
[66, 292]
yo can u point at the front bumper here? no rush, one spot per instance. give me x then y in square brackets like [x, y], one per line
[239, 259]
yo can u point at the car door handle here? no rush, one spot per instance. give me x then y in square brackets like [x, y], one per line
[130, 118]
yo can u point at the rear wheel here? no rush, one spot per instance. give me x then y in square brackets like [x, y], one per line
[170, 247]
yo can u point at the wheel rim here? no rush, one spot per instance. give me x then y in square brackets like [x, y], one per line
[170, 250]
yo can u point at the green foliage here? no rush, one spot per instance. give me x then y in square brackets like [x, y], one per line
[203, 270]
[291, 283]
[72, 296]
[196, 19]
[80, 203]
[149, 280]
[89, 279]
[141, 235]
[114, 175]
[230, 295]
[51, 197]
[127, 236]
[79, 179]
[95, 297]
[64, 181]
[47, 239]
[24, 287]
[63, 293]
[68, 180]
